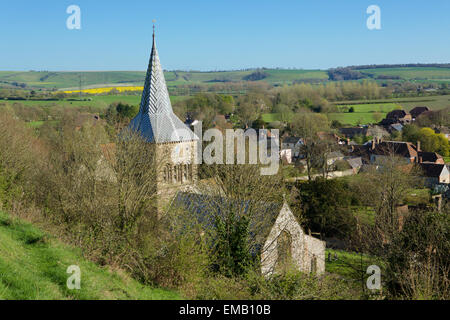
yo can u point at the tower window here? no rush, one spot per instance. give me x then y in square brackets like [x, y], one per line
[185, 172]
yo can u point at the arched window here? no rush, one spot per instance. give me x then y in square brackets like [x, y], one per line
[179, 173]
[284, 249]
[175, 174]
[185, 172]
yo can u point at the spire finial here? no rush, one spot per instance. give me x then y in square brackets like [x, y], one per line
[153, 28]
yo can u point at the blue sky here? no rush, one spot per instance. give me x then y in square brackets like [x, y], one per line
[221, 35]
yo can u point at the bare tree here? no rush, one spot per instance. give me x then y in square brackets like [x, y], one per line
[316, 150]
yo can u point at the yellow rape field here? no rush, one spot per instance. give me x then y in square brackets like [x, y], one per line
[106, 90]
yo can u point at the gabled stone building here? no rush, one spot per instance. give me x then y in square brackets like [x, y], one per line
[275, 235]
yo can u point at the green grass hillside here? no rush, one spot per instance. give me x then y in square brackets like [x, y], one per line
[92, 79]
[411, 73]
[44, 79]
[33, 266]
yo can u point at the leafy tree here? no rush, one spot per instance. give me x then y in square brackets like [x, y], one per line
[247, 113]
[233, 254]
[430, 141]
[326, 207]
[120, 114]
[239, 193]
[284, 111]
[307, 125]
[226, 104]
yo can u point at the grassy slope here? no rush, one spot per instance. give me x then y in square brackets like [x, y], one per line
[33, 266]
[348, 265]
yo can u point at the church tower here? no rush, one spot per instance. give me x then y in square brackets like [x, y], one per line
[174, 143]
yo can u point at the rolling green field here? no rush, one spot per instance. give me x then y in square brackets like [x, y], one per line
[33, 265]
[92, 79]
[100, 102]
[364, 113]
[365, 110]
[44, 79]
[354, 118]
[59, 80]
[412, 73]
[372, 107]
[433, 102]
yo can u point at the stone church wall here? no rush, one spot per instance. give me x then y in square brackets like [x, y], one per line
[307, 252]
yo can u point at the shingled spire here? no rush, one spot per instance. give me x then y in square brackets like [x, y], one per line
[156, 121]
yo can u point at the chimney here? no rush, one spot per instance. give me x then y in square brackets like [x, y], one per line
[418, 146]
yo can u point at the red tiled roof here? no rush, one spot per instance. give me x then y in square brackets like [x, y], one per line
[398, 148]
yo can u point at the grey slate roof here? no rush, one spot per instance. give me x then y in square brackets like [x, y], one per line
[397, 126]
[156, 121]
[355, 163]
[205, 209]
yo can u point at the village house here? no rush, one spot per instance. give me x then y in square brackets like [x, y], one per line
[435, 174]
[286, 156]
[403, 150]
[355, 163]
[396, 127]
[430, 157]
[417, 111]
[331, 137]
[334, 156]
[292, 143]
[397, 116]
[376, 131]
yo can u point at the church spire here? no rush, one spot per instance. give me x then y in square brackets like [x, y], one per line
[155, 97]
[156, 120]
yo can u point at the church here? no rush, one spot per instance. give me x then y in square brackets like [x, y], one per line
[281, 236]
[174, 143]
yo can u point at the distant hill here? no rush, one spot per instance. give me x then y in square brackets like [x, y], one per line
[409, 72]
[67, 80]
